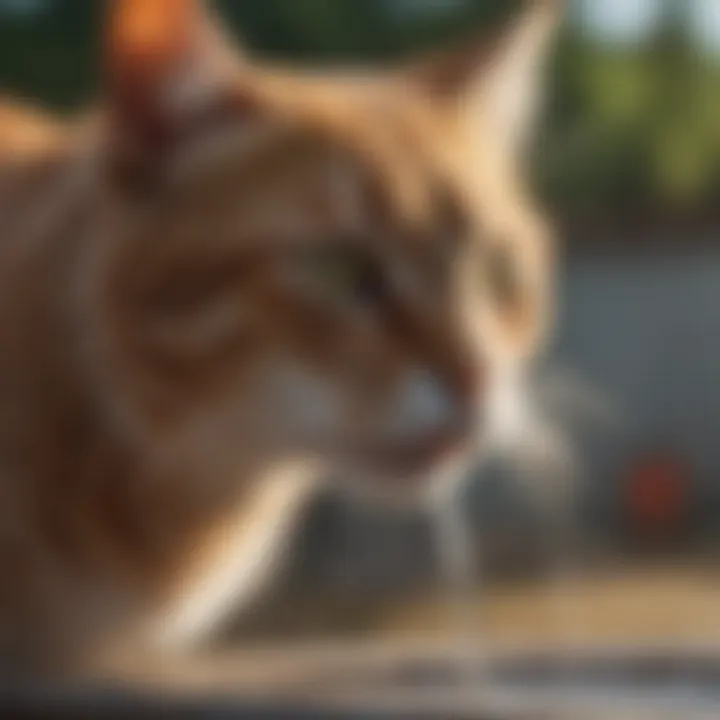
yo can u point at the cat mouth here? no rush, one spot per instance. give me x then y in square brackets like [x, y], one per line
[410, 461]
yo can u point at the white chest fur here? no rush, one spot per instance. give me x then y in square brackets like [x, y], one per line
[243, 563]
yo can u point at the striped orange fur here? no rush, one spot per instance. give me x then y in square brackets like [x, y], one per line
[233, 277]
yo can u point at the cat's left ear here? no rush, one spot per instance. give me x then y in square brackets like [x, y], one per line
[168, 64]
[497, 82]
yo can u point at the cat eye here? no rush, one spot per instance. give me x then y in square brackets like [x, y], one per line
[345, 272]
[501, 272]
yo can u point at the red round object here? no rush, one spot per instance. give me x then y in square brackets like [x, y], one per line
[658, 492]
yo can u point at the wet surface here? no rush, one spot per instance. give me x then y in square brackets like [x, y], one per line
[412, 684]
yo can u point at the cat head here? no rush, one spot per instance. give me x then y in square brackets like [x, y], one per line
[322, 266]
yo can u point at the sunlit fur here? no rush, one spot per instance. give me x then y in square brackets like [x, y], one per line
[25, 130]
[177, 365]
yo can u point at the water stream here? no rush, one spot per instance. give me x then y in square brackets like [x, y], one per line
[535, 447]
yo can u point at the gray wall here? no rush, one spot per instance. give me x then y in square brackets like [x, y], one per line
[644, 331]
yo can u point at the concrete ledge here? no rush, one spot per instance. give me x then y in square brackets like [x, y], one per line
[399, 683]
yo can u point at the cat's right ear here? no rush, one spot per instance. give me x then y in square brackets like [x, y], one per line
[496, 84]
[168, 67]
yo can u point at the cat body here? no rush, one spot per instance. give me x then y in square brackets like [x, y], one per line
[227, 280]
[26, 130]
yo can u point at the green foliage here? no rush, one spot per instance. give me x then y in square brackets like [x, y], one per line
[52, 55]
[627, 128]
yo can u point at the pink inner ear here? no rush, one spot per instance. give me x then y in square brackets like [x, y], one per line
[151, 43]
[154, 32]
[171, 81]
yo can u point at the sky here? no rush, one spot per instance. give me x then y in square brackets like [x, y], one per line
[620, 20]
[634, 20]
[705, 18]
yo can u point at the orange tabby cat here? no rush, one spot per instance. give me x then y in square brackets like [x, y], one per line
[231, 278]
[24, 130]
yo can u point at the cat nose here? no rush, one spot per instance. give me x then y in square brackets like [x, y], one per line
[431, 404]
[468, 382]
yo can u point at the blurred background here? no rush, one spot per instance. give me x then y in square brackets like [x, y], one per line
[628, 163]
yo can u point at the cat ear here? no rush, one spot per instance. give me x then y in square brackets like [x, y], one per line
[498, 81]
[167, 62]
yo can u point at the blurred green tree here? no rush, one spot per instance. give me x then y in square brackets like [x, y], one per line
[630, 128]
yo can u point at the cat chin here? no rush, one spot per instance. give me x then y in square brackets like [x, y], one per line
[383, 492]
[388, 488]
